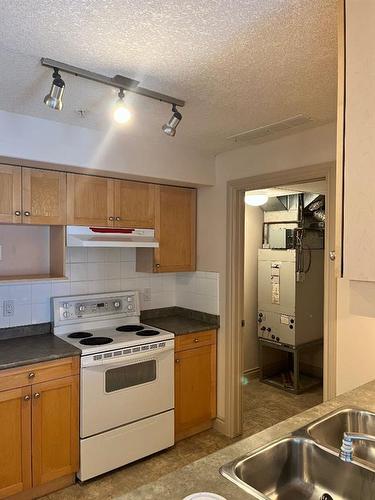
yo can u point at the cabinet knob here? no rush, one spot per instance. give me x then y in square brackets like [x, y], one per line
[332, 255]
[196, 340]
[118, 218]
[27, 397]
[157, 266]
[37, 395]
[27, 213]
[110, 218]
[31, 375]
[17, 212]
[177, 360]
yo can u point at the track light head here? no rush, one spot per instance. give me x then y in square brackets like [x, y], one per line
[170, 127]
[54, 99]
[121, 113]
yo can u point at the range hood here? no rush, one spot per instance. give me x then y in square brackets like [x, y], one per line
[78, 236]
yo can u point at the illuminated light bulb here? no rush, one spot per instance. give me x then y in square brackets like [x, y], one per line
[256, 200]
[121, 113]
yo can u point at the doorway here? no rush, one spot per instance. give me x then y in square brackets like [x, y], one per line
[235, 347]
[284, 237]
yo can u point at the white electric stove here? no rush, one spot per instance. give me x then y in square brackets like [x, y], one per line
[127, 373]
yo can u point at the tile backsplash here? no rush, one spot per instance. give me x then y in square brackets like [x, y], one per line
[96, 270]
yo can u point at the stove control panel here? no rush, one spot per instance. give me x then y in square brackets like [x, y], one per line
[71, 309]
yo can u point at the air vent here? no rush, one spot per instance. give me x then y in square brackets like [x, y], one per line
[268, 130]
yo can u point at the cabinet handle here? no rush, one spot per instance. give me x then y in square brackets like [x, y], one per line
[37, 395]
[27, 213]
[31, 375]
[118, 218]
[27, 397]
[17, 212]
[110, 218]
[196, 340]
[177, 360]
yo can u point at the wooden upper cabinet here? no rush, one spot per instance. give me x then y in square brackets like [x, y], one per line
[134, 204]
[10, 194]
[15, 441]
[55, 423]
[43, 196]
[176, 229]
[90, 200]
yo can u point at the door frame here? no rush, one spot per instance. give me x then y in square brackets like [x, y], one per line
[235, 282]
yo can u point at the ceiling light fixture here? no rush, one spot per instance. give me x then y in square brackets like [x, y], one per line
[170, 127]
[54, 99]
[256, 200]
[121, 113]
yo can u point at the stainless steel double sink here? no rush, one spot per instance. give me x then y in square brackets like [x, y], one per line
[306, 464]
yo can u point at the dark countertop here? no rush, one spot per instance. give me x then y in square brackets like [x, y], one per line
[30, 349]
[179, 320]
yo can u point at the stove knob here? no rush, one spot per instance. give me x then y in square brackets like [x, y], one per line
[66, 314]
[81, 308]
[117, 304]
[65, 305]
[130, 307]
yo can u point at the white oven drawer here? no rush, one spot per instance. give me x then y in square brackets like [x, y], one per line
[116, 394]
[126, 444]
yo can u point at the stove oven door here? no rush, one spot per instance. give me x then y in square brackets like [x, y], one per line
[118, 392]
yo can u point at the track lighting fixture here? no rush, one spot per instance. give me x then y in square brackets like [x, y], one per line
[170, 127]
[121, 113]
[54, 99]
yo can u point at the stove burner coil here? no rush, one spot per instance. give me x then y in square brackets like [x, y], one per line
[80, 335]
[148, 333]
[96, 341]
[130, 328]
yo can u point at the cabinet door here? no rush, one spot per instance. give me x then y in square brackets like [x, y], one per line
[134, 204]
[10, 194]
[43, 196]
[90, 201]
[195, 390]
[176, 229]
[15, 441]
[55, 429]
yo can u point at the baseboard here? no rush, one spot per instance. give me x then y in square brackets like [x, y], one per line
[219, 425]
[252, 374]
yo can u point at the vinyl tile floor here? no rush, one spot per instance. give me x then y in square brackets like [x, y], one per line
[258, 397]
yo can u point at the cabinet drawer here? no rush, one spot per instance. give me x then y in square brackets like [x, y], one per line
[192, 340]
[38, 372]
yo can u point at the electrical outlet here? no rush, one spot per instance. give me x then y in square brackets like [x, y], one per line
[147, 295]
[8, 308]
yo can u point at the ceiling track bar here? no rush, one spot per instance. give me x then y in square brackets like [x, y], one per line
[118, 82]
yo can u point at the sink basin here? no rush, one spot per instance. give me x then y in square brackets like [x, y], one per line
[295, 468]
[329, 430]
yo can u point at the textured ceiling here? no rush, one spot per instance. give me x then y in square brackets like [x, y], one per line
[239, 64]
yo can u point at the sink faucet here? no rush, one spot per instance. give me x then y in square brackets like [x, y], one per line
[346, 450]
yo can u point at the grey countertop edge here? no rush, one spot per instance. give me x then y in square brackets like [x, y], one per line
[37, 359]
[204, 475]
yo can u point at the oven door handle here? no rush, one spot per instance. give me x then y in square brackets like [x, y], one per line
[128, 359]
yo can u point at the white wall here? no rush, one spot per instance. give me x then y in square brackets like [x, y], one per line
[254, 217]
[26, 137]
[310, 147]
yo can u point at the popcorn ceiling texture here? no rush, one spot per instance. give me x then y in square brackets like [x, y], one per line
[239, 64]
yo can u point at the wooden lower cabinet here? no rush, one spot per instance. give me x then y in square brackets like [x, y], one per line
[54, 429]
[39, 431]
[15, 441]
[195, 383]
